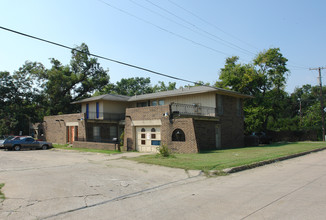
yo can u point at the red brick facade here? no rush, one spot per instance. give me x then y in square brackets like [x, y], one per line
[200, 132]
[56, 128]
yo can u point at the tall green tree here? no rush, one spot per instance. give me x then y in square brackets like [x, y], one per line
[265, 79]
[68, 83]
[34, 91]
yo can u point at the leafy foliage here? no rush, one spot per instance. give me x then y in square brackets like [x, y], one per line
[264, 79]
[164, 151]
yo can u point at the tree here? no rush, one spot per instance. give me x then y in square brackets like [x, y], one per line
[131, 86]
[66, 84]
[162, 87]
[33, 91]
[264, 79]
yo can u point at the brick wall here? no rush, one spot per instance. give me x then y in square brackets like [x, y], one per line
[205, 134]
[167, 128]
[200, 132]
[232, 131]
[95, 145]
[187, 126]
[56, 131]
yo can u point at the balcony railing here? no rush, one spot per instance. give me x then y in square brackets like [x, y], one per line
[105, 116]
[197, 110]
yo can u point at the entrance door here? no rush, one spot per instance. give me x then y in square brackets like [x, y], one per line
[72, 134]
[148, 139]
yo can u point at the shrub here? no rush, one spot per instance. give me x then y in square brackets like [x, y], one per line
[164, 151]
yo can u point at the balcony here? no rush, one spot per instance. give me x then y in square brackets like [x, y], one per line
[193, 110]
[105, 116]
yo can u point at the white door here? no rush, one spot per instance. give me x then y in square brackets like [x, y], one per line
[148, 139]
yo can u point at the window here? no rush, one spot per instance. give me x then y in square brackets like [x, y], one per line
[161, 102]
[143, 142]
[143, 130]
[178, 135]
[143, 136]
[153, 136]
[142, 104]
[96, 133]
[154, 103]
[113, 132]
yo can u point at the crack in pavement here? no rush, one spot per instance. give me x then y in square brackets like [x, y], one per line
[126, 196]
[287, 194]
[32, 168]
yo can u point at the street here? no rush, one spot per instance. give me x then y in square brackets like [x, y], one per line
[56, 184]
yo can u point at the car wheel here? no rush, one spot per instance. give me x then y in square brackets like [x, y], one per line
[17, 147]
[44, 147]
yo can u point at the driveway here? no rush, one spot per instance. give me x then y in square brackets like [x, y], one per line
[41, 184]
[73, 185]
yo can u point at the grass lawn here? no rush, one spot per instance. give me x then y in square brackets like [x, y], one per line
[65, 147]
[2, 196]
[221, 159]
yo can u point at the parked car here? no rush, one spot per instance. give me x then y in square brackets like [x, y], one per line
[3, 139]
[263, 138]
[18, 143]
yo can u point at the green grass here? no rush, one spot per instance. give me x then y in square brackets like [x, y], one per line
[2, 196]
[221, 159]
[66, 147]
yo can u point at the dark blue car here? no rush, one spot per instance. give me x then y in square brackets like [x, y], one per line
[25, 142]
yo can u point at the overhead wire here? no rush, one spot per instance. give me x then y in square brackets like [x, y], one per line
[201, 29]
[164, 29]
[212, 24]
[184, 26]
[102, 57]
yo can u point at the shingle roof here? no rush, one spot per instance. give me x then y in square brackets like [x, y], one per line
[186, 91]
[164, 94]
[108, 97]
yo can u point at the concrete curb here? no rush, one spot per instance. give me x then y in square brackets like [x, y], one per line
[261, 163]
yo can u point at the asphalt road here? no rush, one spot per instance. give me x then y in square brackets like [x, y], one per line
[72, 185]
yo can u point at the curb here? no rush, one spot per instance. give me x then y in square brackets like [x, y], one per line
[261, 163]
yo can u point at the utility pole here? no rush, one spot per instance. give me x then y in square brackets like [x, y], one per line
[321, 99]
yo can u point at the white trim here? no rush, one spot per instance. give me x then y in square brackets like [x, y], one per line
[155, 122]
[71, 124]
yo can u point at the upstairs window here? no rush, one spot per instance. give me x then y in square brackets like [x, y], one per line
[178, 135]
[161, 102]
[142, 104]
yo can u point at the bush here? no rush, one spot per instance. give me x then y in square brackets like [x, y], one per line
[164, 151]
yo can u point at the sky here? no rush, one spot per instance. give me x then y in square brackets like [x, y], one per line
[188, 39]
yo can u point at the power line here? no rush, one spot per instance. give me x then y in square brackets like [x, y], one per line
[206, 32]
[101, 57]
[165, 30]
[182, 25]
[211, 24]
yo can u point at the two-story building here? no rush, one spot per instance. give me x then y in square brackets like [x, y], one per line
[187, 120]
